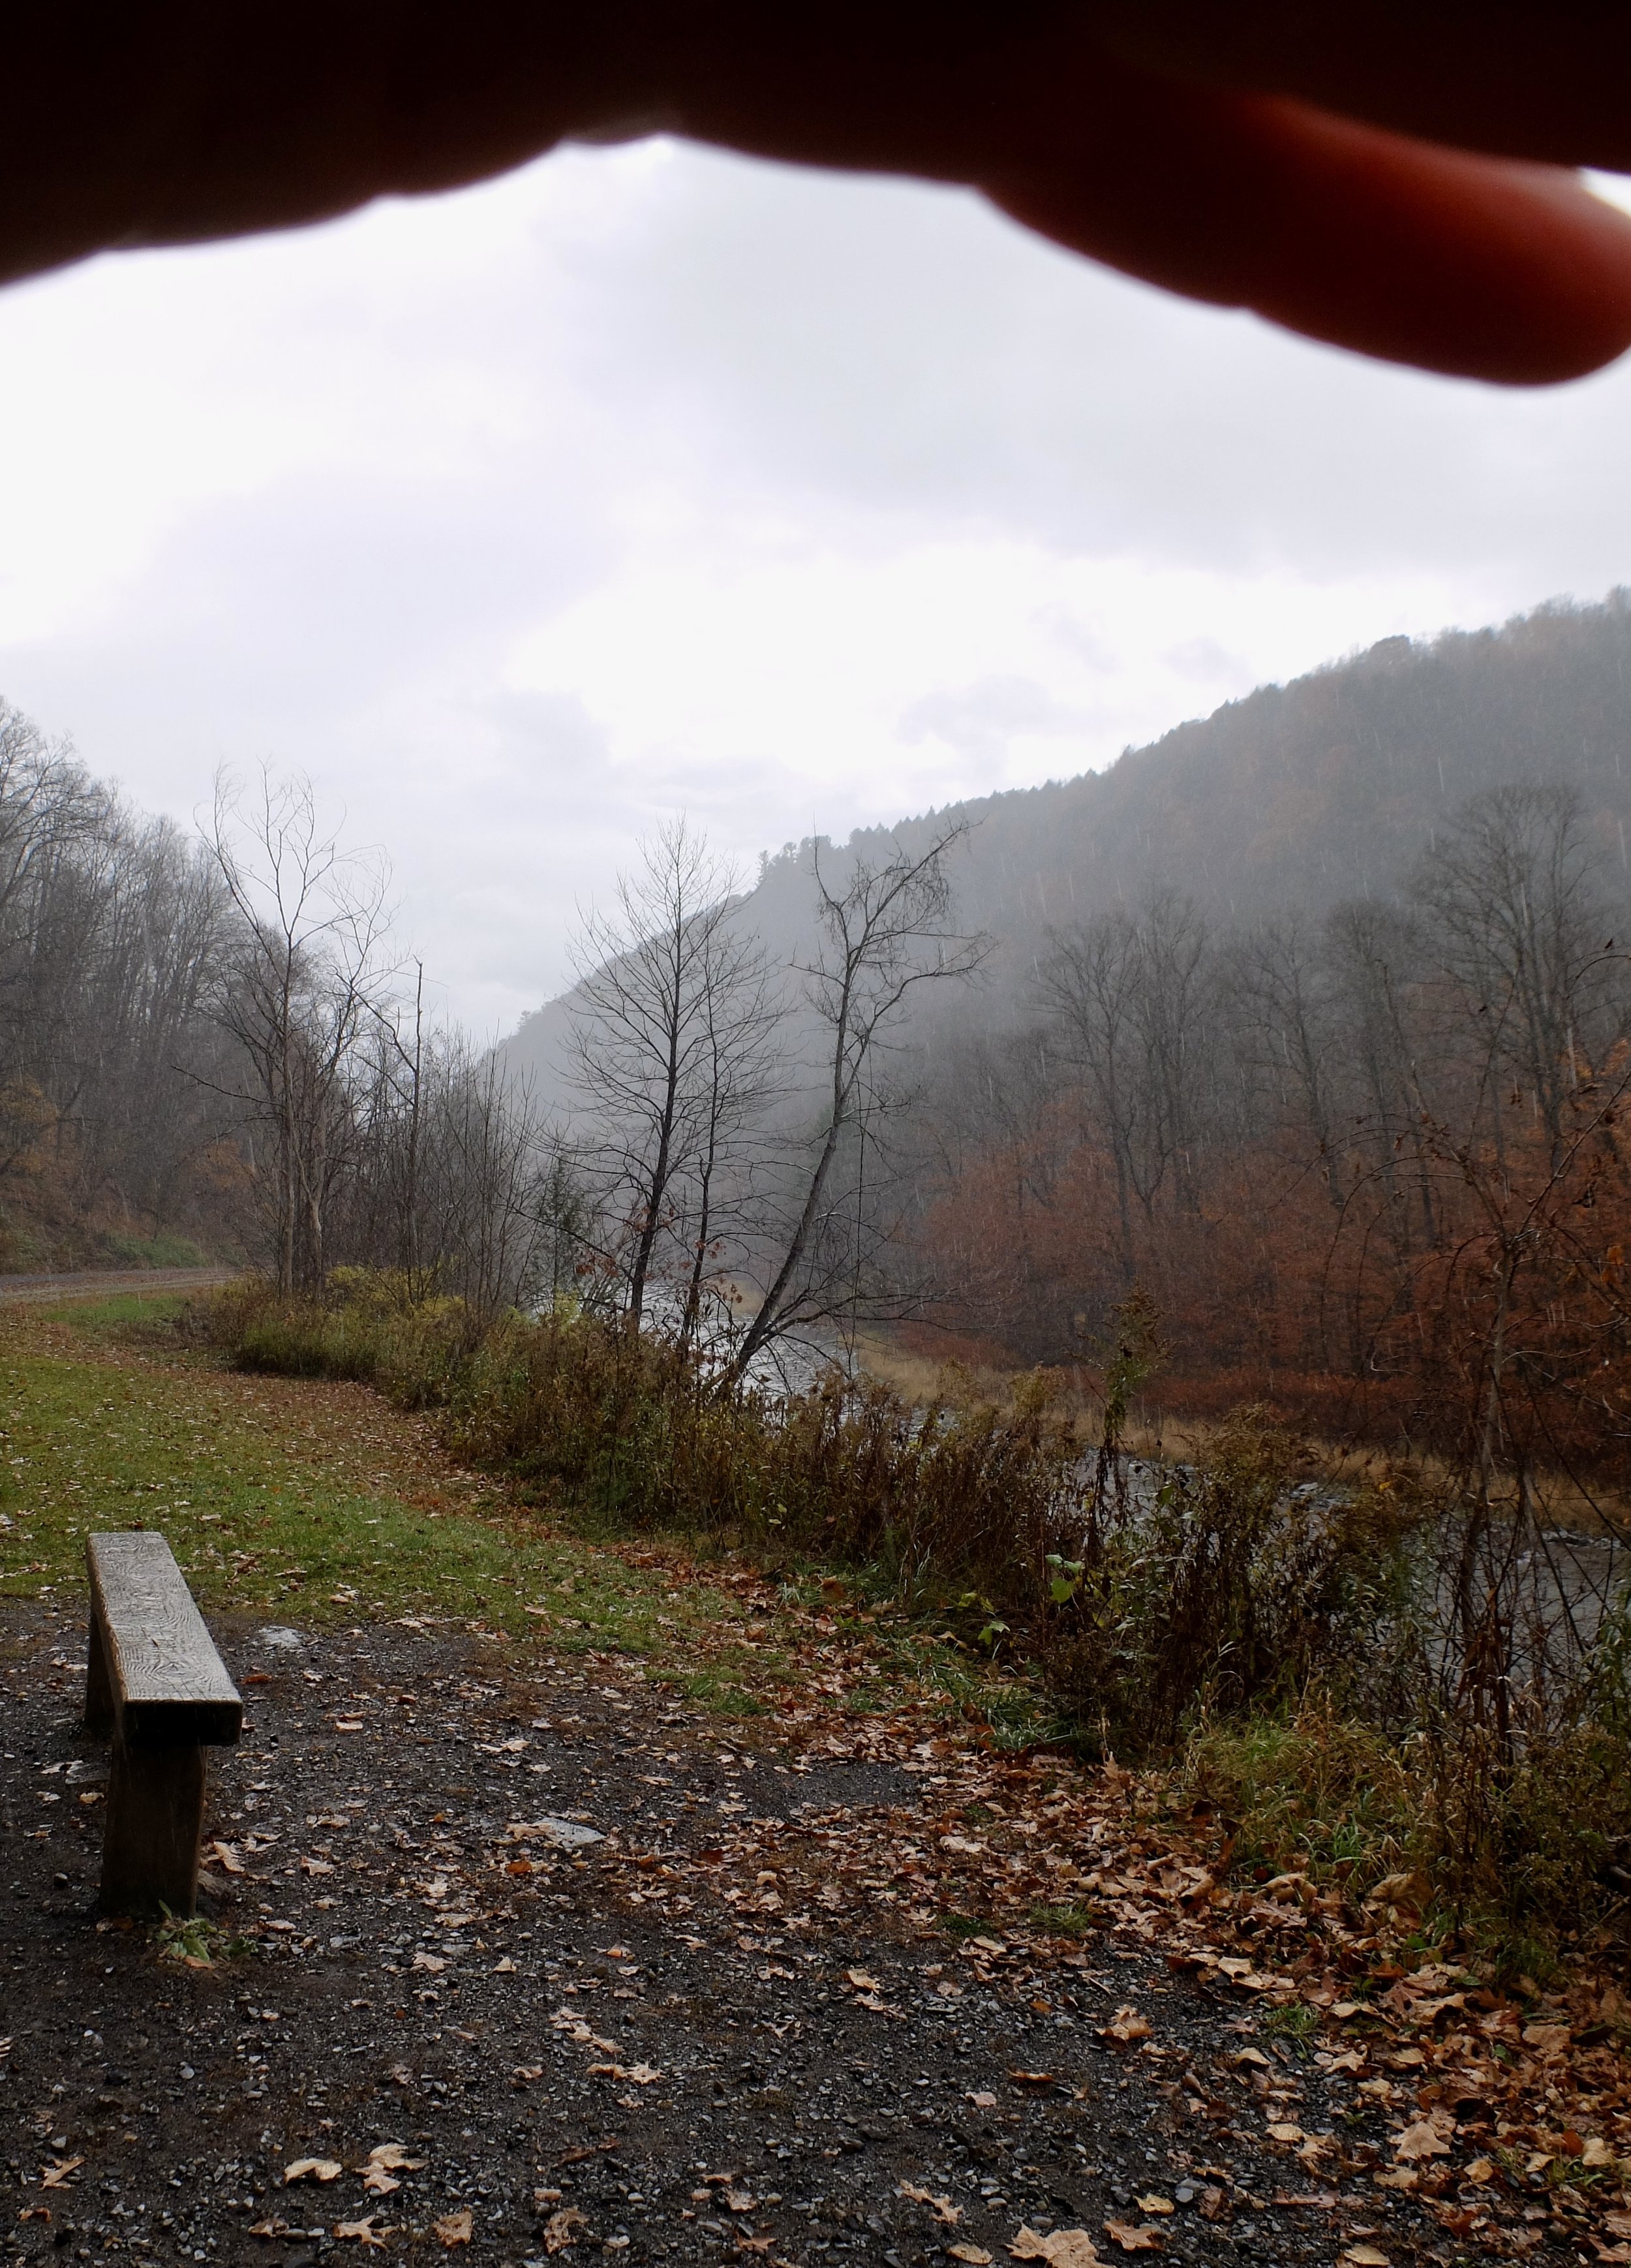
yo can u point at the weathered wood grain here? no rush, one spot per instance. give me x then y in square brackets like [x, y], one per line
[155, 1825]
[166, 1684]
[153, 1679]
[98, 1685]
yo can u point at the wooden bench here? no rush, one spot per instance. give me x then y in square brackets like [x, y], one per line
[154, 1681]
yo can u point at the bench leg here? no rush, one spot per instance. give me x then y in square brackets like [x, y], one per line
[155, 1820]
[98, 1685]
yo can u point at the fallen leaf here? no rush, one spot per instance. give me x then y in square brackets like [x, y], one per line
[228, 1857]
[269, 2228]
[1422, 2139]
[55, 2176]
[394, 2158]
[576, 2028]
[1364, 2256]
[363, 2231]
[1155, 2205]
[1126, 2024]
[1401, 1891]
[862, 1982]
[386, 2161]
[981, 2099]
[943, 2207]
[1142, 2239]
[561, 2229]
[314, 2170]
[1551, 2039]
[1063, 2248]
[973, 2253]
[453, 2228]
[1031, 2078]
[433, 1962]
[1284, 2131]
[641, 2074]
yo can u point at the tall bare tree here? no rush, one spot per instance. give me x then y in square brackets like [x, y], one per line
[887, 929]
[300, 995]
[669, 1058]
[1126, 994]
[1520, 923]
[1277, 981]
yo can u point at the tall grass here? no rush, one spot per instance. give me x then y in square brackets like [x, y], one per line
[627, 1430]
[1352, 1670]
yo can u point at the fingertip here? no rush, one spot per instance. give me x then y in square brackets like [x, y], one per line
[1511, 273]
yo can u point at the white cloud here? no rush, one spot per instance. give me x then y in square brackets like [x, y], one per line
[655, 478]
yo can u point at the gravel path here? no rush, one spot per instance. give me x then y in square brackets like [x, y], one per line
[414, 1962]
[103, 1283]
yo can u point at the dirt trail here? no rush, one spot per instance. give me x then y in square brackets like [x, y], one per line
[613, 2051]
[103, 1283]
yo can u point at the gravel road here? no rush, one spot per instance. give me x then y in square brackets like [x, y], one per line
[416, 1968]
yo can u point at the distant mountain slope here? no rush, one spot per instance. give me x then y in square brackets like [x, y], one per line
[1309, 793]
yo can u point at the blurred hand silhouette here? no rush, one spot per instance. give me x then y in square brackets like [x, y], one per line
[1397, 176]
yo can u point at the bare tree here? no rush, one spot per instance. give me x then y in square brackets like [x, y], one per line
[1380, 964]
[670, 1059]
[110, 929]
[738, 1077]
[1276, 982]
[885, 932]
[1127, 996]
[300, 994]
[1519, 923]
[483, 1178]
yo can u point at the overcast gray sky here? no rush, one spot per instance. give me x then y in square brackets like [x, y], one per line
[655, 479]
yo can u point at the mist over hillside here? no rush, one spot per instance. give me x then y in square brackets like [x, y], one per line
[1303, 795]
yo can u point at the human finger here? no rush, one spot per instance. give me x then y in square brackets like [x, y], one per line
[1478, 267]
[165, 120]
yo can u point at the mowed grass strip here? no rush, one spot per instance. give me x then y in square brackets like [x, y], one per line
[316, 1502]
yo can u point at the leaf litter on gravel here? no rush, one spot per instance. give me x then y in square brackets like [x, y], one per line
[1514, 2096]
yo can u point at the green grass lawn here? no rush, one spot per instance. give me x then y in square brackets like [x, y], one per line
[314, 1503]
[308, 1501]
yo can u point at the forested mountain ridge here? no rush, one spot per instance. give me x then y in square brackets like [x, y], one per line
[1324, 789]
[1301, 795]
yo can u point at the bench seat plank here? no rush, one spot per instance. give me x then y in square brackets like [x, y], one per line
[166, 1686]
